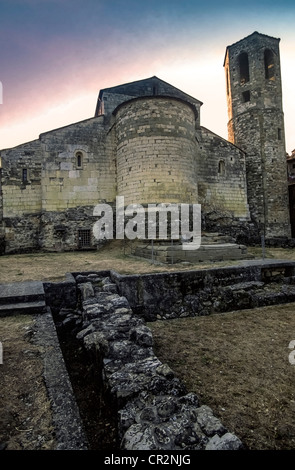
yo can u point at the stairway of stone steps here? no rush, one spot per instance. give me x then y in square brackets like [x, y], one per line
[22, 297]
[212, 238]
[214, 247]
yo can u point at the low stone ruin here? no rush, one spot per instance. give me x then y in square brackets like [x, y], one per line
[154, 409]
[214, 247]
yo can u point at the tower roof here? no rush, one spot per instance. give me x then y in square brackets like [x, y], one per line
[148, 87]
[255, 33]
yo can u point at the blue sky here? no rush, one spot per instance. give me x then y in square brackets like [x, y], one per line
[55, 55]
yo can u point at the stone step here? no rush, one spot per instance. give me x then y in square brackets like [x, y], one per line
[22, 297]
[216, 238]
[23, 308]
[175, 253]
[21, 292]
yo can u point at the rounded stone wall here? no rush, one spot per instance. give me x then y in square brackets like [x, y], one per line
[156, 151]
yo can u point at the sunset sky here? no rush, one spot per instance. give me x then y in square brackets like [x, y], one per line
[55, 55]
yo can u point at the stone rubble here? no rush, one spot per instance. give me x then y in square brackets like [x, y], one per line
[155, 411]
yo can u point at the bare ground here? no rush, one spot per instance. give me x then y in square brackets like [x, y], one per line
[237, 363]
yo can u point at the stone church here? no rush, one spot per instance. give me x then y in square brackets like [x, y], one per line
[146, 143]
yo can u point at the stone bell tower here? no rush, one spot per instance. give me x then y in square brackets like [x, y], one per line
[256, 125]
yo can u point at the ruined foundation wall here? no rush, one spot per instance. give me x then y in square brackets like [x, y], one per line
[153, 408]
[208, 291]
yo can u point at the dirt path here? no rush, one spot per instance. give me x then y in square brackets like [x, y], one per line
[25, 411]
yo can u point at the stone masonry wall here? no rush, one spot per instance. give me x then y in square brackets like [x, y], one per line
[256, 125]
[221, 176]
[21, 196]
[111, 98]
[149, 147]
[64, 184]
[22, 233]
[2, 229]
[155, 410]
[111, 101]
[47, 205]
[156, 151]
[69, 191]
[60, 230]
[107, 314]
[191, 293]
[21, 179]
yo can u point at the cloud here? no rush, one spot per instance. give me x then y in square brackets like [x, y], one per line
[55, 51]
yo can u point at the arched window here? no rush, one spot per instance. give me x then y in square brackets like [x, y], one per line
[269, 65]
[227, 81]
[79, 159]
[246, 96]
[279, 134]
[25, 175]
[244, 67]
[221, 168]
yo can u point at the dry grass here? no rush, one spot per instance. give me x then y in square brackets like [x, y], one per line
[116, 256]
[238, 363]
[53, 266]
[25, 414]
